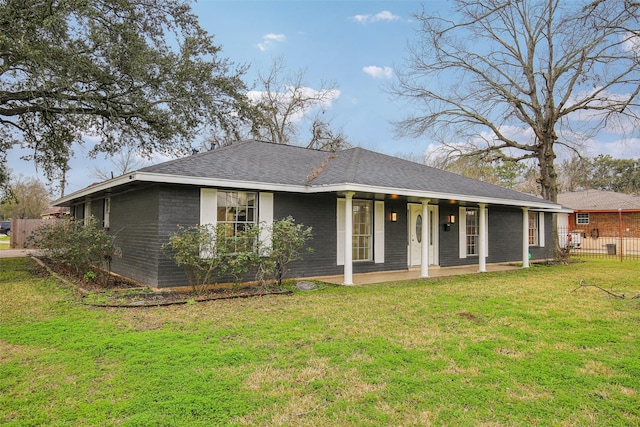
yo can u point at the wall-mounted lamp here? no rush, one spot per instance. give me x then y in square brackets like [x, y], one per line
[451, 219]
[393, 217]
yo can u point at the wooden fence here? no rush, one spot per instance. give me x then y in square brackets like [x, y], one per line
[21, 229]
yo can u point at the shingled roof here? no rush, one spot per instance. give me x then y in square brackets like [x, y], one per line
[260, 165]
[598, 200]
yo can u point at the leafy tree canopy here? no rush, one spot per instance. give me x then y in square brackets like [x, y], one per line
[135, 72]
[28, 198]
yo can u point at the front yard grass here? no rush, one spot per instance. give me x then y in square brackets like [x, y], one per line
[512, 348]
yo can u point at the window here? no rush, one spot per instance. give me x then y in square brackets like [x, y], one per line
[236, 210]
[473, 231]
[362, 230]
[533, 228]
[582, 218]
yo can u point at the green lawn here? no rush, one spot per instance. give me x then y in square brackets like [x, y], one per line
[4, 241]
[500, 349]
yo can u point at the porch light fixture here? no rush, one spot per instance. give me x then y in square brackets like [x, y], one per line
[451, 219]
[393, 217]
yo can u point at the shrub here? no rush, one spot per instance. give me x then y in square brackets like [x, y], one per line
[207, 253]
[77, 246]
[288, 240]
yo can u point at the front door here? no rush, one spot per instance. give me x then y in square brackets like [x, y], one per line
[416, 222]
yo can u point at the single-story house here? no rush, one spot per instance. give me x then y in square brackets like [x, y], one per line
[370, 212]
[596, 214]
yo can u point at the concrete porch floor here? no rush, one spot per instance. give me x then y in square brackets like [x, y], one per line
[413, 273]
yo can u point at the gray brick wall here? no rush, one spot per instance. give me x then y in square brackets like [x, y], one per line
[179, 205]
[143, 220]
[319, 211]
[505, 237]
[134, 221]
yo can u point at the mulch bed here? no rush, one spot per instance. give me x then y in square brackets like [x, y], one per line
[120, 292]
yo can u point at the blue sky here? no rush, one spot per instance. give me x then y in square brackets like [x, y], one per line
[356, 44]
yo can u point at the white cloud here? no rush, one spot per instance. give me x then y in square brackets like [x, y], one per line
[270, 40]
[327, 98]
[378, 72]
[385, 15]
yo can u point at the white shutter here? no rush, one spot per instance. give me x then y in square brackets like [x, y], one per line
[265, 219]
[378, 238]
[208, 206]
[486, 231]
[541, 229]
[341, 206]
[462, 232]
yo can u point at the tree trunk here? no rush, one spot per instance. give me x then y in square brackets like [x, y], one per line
[548, 174]
[549, 184]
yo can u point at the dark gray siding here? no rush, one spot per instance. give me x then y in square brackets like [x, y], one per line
[134, 221]
[179, 205]
[546, 252]
[97, 211]
[505, 234]
[319, 211]
[448, 240]
[396, 235]
[505, 237]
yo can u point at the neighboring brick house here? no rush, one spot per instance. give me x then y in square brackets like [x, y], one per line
[369, 212]
[598, 213]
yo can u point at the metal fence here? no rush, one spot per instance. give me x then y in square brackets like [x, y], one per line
[622, 244]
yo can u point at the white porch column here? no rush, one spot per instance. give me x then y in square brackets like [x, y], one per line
[424, 245]
[482, 238]
[348, 239]
[525, 237]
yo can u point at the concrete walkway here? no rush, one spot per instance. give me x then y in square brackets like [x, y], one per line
[17, 253]
[414, 273]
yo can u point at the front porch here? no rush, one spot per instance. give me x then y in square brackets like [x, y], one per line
[414, 273]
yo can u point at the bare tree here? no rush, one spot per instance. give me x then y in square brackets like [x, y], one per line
[517, 77]
[286, 100]
[126, 160]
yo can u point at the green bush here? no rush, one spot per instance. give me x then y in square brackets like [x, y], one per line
[209, 253]
[77, 246]
[288, 240]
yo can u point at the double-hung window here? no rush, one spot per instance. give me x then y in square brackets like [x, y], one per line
[236, 211]
[536, 229]
[533, 229]
[362, 214]
[582, 218]
[473, 231]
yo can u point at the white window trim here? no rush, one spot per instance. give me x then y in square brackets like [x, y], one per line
[106, 212]
[208, 206]
[541, 232]
[588, 217]
[538, 220]
[462, 232]
[265, 216]
[377, 232]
